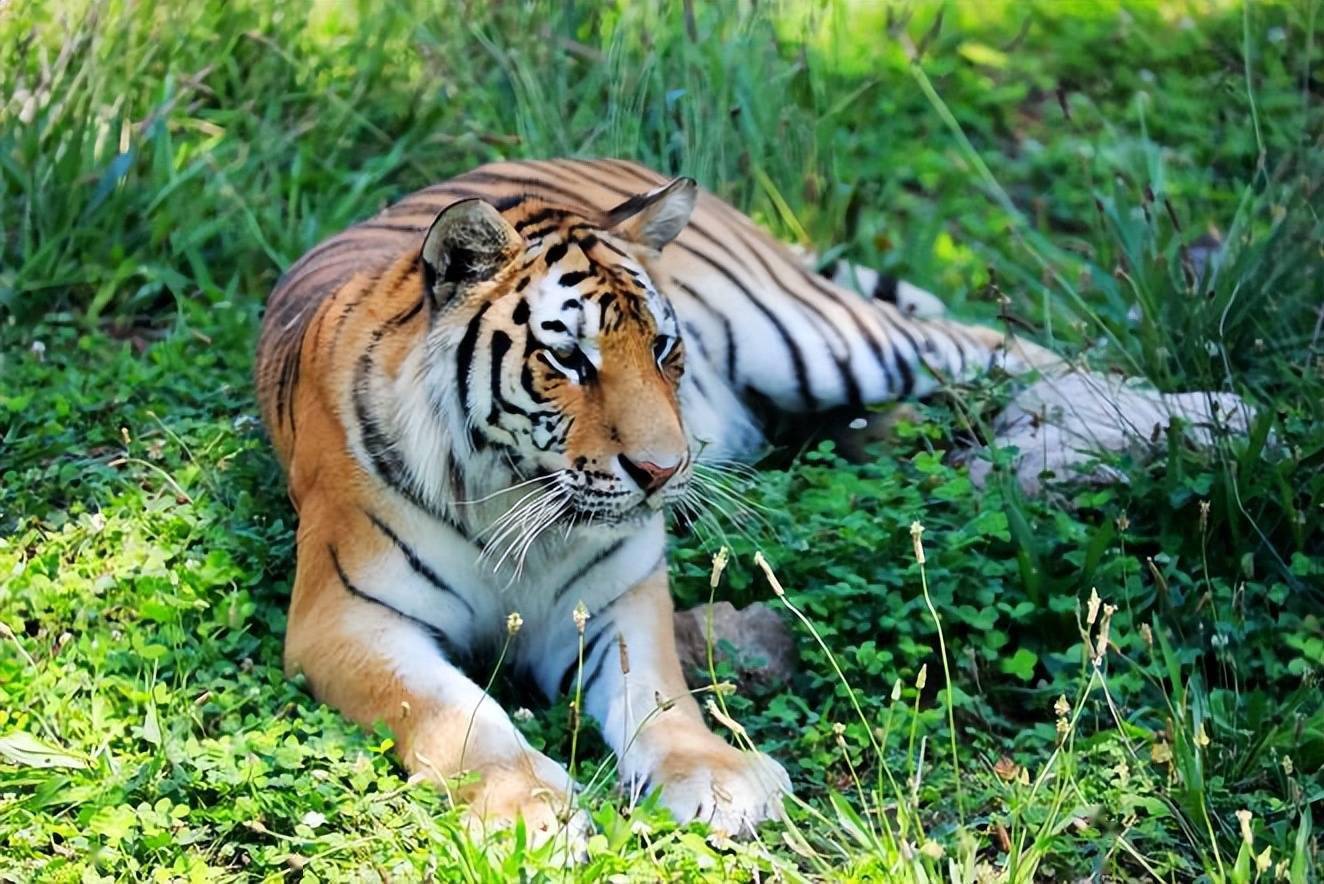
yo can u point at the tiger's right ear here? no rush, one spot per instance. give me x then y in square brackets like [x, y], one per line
[655, 218]
[469, 242]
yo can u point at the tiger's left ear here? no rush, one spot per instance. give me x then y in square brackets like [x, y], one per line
[468, 243]
[655, 218]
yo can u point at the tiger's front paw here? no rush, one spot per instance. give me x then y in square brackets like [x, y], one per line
[535, 789]
[730, 790]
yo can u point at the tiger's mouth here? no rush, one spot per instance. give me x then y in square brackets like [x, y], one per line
[608, 507]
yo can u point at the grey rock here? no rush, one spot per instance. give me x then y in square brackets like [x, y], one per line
[755, 640]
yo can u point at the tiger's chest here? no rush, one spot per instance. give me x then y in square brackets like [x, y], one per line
[467, 590]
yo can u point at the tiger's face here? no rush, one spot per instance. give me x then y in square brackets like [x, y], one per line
[568, 359]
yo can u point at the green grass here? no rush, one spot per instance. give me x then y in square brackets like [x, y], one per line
[160, 165]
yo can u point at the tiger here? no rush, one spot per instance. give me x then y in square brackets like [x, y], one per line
[486, 399]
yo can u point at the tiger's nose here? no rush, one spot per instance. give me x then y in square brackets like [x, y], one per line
[646, 474]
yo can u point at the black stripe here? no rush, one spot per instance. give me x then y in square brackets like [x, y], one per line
[555, 252]
[955, 338]
[793, 348]
[417, 565]
[690, 333]
[852, 387]
[520, 314]
[885, 288]
[538, 217]
[904, 368]
[288, 379]
[597, 667]
[504, 204]
[385, 461]
[404, 316]
[381, 450]
[537, 234]
[756, 249]
[327, 247]
[587, 567]
[526, 370]
[849, 385]
[573, 199]
[443, 641]
[700, 388]
[628, 168]
[828, 290]
[383, 224]
[567, 679]
[727, 330]
[851, 304]
[844, 300]
[611, 248]
[418, 202]
[499, 347]
[464, 355]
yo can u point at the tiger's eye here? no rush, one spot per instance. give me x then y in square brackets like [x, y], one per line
[572, 361]
[662, 346]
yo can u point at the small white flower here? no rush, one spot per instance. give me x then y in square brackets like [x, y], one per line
[917, 532]
[312, 819]
[1244, 818]
[719, 565]
[523, 713]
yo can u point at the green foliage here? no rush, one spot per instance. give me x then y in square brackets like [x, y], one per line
[161, 163]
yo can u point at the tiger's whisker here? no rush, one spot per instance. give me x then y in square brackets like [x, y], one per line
[518, 507]
[550, 520]
[523, 541]
[544, 478]
[516, 520]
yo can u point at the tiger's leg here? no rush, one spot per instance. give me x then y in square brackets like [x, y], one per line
[654, 725]
[374, 664]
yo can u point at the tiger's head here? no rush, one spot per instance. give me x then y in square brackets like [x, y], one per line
[567, 358]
